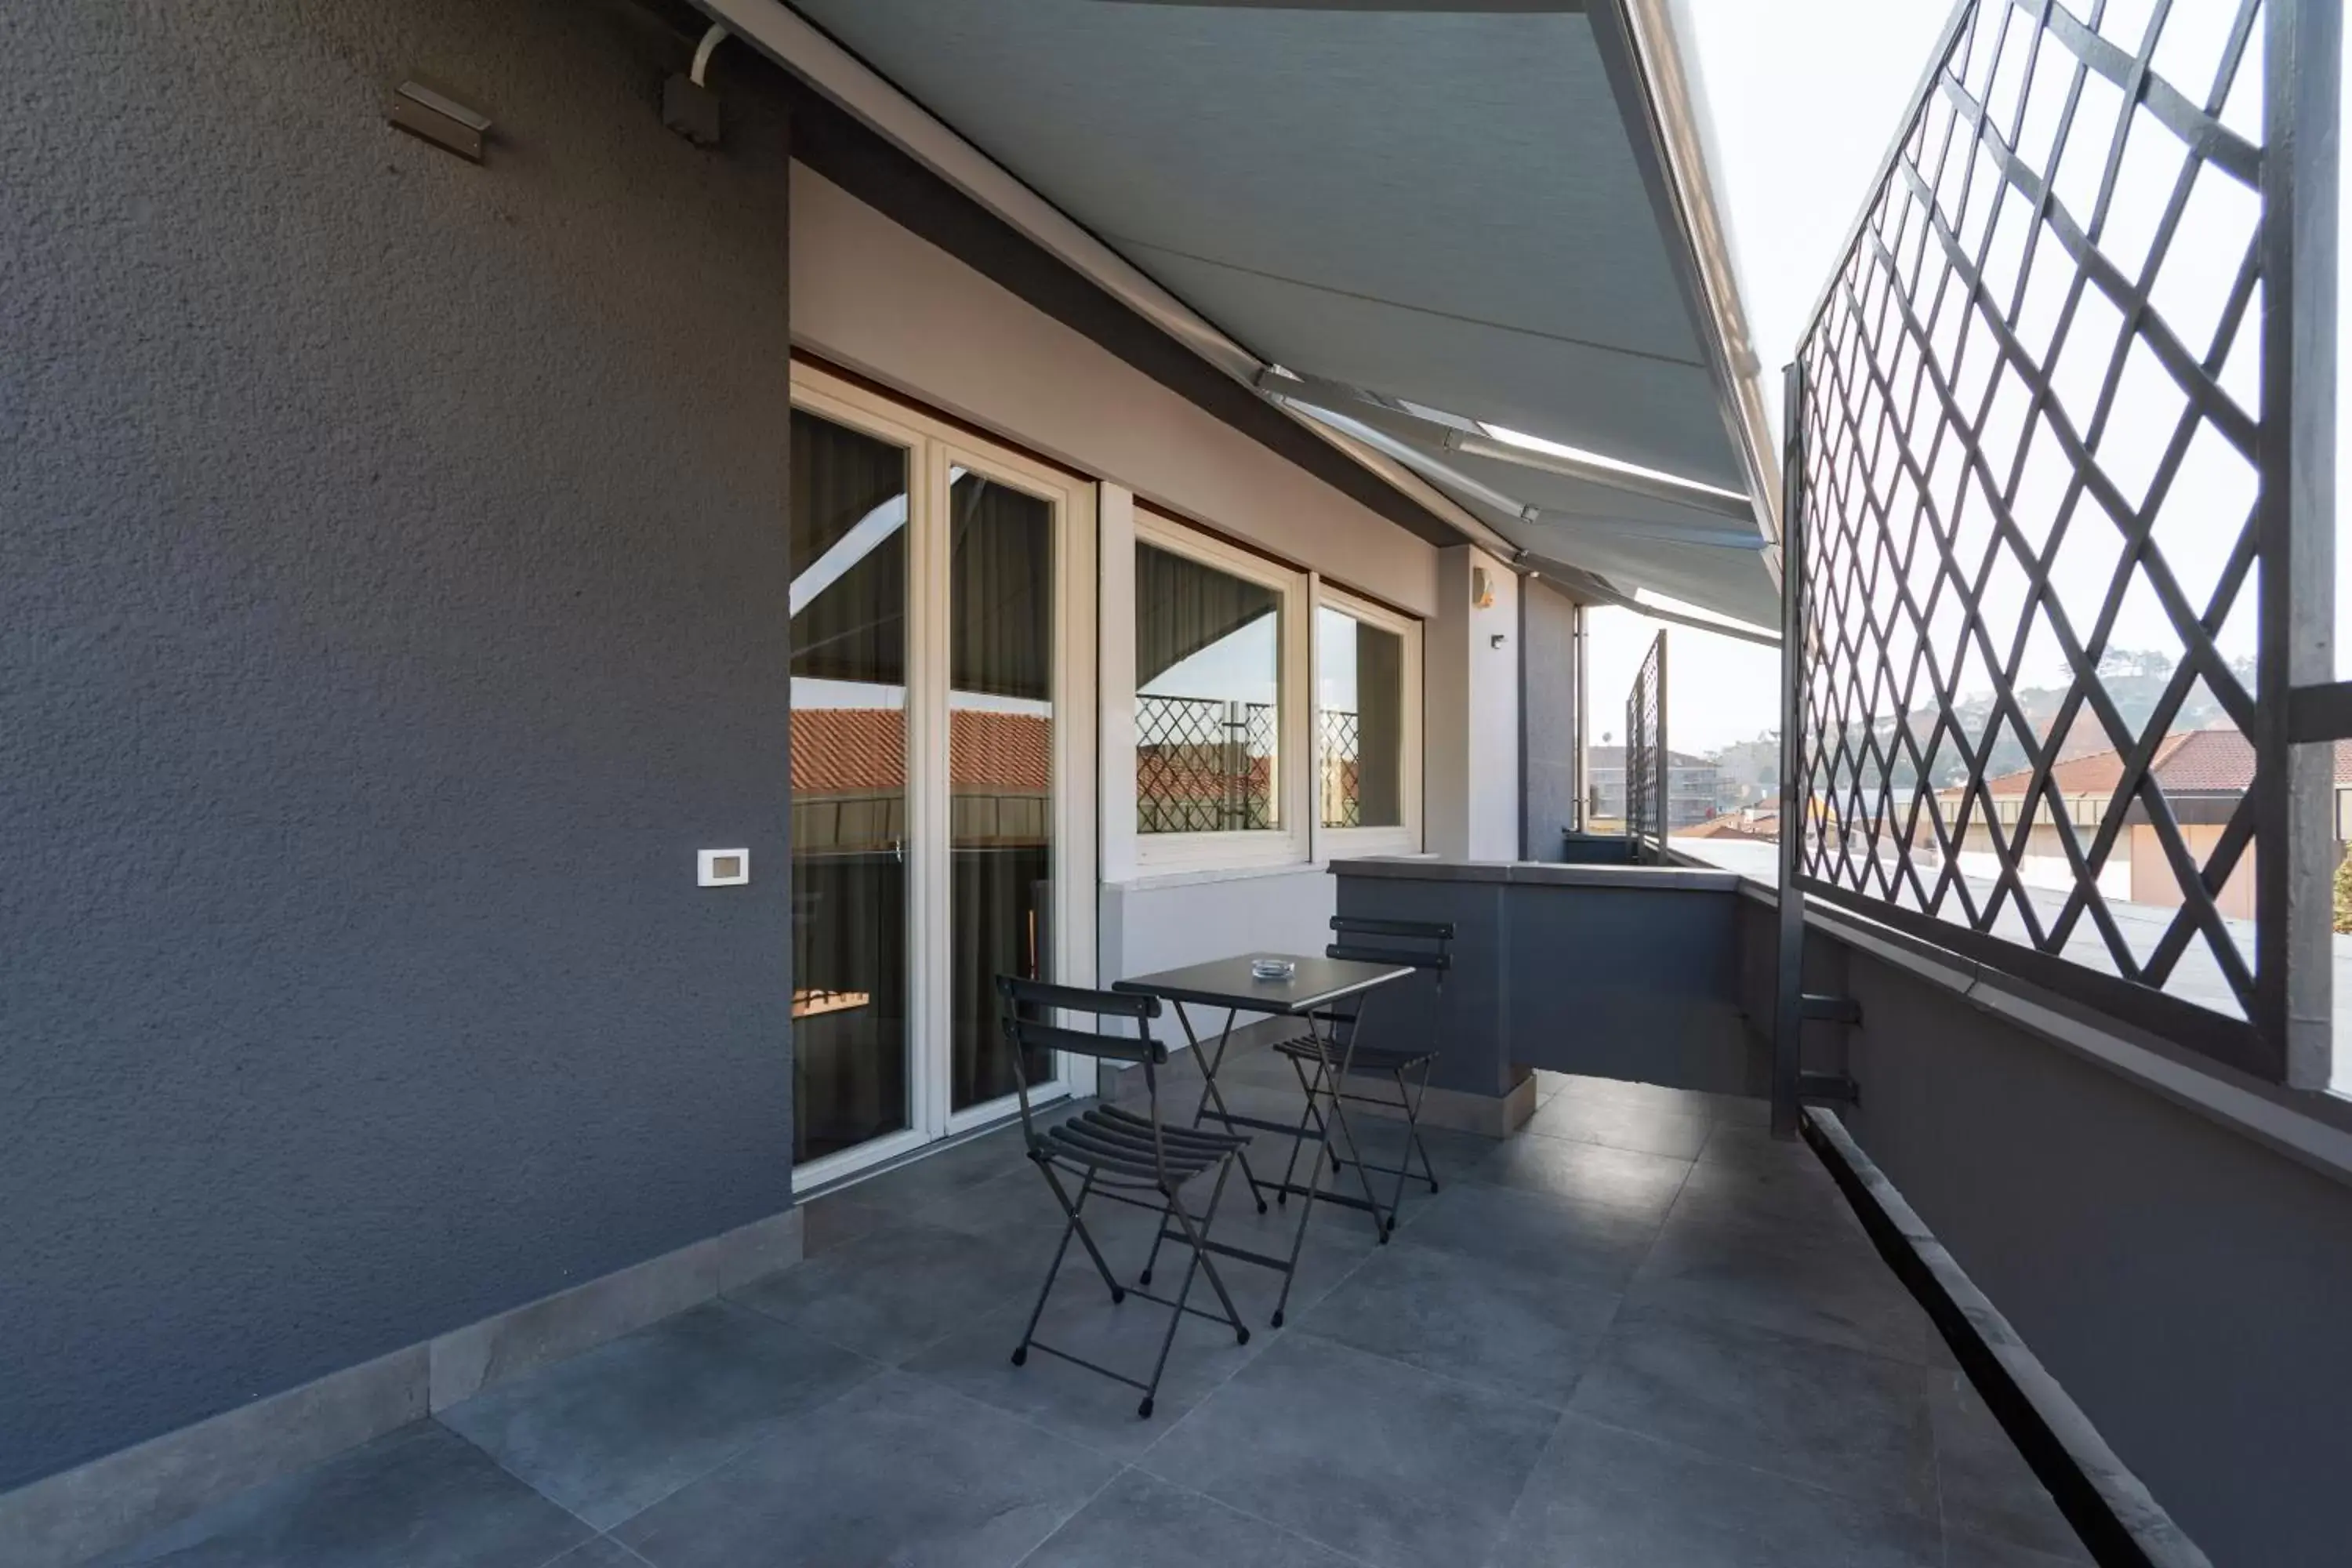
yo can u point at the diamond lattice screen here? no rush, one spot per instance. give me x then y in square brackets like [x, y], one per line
[1645, 756]
[1203, 766]
[2029, 423]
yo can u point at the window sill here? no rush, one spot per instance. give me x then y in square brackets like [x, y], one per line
[1149, 880]
[1355, 843]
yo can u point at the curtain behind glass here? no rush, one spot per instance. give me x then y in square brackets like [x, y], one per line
[841, 481]
[1001, 617]
[1181, 607]
[999, 764]
[1380, 701]
[848, 771]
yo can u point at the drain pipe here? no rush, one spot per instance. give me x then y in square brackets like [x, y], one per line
[717, 36]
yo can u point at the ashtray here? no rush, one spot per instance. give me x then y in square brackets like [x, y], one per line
[1273, 968]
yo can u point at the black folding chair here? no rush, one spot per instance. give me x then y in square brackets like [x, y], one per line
[1424, 944]
[1116, 1155]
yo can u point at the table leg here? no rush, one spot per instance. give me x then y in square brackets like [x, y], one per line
[1331, 1074]
[1210, 1093]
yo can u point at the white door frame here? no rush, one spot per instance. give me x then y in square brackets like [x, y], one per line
[935, 450]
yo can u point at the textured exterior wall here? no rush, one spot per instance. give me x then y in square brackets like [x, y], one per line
[1548, 656]
[392, 598]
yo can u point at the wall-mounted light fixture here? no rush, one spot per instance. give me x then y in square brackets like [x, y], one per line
[1482, 591]
[436, 118]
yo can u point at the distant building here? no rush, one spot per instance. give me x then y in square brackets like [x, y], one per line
[1692, 787]
[2204, 773]
[1760, 823]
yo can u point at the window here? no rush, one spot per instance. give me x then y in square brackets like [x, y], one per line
[1219, 716]
[1208, 698]
[1367, 727]
[1275, 721]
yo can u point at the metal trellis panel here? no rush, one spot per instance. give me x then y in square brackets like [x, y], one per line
[2044, 413]
[1648, 774]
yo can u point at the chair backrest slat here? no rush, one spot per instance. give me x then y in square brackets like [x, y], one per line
[1365, 925]
[1425, 944]
[1077, 998]
[1026, 1007]
[1043, 1037]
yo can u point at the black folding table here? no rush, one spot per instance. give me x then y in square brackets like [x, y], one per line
[1323, 993]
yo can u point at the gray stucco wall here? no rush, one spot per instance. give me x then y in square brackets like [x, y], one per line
[2185, 1284]
[1547, 687]
[2188, 1286]
[393, 591]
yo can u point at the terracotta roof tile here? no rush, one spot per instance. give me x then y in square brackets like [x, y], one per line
[863, 751]
[2206, 761]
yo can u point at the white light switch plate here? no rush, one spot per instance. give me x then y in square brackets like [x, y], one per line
[722, 867]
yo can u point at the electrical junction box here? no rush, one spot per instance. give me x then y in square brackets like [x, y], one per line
[723, 869]
[691, 111]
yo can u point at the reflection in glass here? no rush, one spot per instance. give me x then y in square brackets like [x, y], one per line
[1208, 702]
[999, 763]
[850, 787]
[1360, 671]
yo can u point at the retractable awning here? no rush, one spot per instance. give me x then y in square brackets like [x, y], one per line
[1433, 221]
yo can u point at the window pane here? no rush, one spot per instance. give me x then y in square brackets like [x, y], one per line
[1360, 721]
[999, 764]
[1208, 698]
[850, 787]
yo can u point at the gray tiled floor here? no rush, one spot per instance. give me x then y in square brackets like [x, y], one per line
[1640, 1333]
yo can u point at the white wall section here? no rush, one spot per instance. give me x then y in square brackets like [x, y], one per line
[875, 299]
[1471, 771]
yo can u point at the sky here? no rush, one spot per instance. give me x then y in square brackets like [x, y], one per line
[1240, 667]
[1719, 689]
[1800, 101]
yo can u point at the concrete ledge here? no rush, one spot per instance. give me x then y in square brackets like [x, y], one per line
[1541, 873]
[111, 1501]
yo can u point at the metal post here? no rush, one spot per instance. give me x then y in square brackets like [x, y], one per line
[1583, 768]
[1237, 761]
[1788, 1001]
[1666, 757]
[1633, 818]
[2295, 532]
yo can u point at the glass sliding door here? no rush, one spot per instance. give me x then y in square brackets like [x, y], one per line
[942, 768]
[1000, 769]
[849, 823]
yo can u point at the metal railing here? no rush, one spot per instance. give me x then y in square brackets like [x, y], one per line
[1339, 768]
[1203, 766]
[2069, 395]
[1649, 771]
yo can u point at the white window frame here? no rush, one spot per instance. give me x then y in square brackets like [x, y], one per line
[1344, 843]
[1128, 852]
[935, 447]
